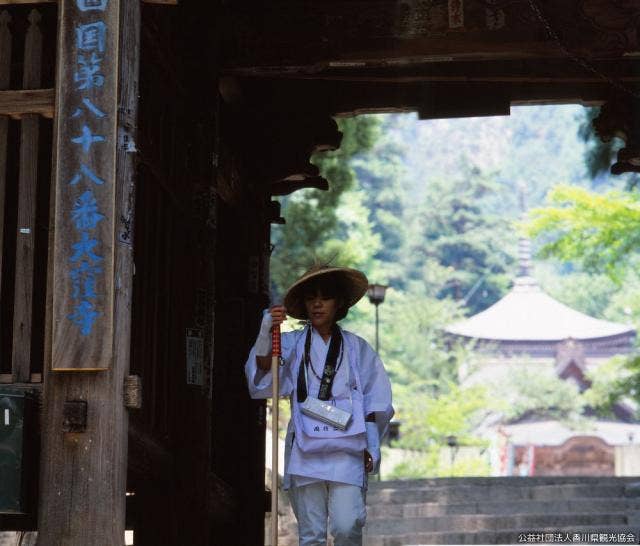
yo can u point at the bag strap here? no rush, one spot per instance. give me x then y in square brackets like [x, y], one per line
[330, 366]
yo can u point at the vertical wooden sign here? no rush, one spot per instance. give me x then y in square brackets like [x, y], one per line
[86, 133]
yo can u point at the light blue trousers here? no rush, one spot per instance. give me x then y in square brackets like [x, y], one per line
[340, 505]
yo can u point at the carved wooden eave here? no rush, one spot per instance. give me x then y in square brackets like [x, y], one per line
[298, 182]
[279, 135]
[619, 117]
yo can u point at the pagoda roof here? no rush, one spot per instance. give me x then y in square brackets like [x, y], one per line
[528, 314]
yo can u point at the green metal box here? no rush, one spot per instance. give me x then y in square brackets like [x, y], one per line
[15, 411]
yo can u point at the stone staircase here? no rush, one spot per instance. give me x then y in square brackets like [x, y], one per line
[494, 511]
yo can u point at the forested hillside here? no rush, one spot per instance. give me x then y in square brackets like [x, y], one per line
[433, 209]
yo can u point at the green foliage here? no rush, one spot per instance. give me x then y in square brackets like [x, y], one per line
[600, 232]
[427, 423]
[433, 464]
[315, 230]
[380, 174]
[455, 228]
[415, 353]
[589, 293]
[615, 380]
[528, 391]
[456, 412]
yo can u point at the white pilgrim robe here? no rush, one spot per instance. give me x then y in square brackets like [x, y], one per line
[304, 468]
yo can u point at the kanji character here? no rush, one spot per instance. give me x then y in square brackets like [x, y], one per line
[91, 37]
[88, 74]
[83, 249]
[91, 107]
[84, 280]
[84, 316]
[86, 171]
[87, 138]
[85, 213]
[92, 5]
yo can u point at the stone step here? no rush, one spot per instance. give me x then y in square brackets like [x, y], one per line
[500, 480]
[463, 493]
[502, 536]
[484, 522]
[584, 506]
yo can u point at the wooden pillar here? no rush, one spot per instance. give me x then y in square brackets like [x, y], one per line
[27, 187]
[5, 72]
[84, 465]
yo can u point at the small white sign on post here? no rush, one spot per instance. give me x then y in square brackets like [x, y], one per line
[195, 357]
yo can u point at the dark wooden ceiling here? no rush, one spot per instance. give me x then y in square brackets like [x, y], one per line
[442, 58]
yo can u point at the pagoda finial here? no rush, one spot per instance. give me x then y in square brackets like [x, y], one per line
[524, 276]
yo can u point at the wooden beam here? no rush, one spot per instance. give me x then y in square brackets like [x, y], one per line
[522, 71]
[297, 34]
[16, 104]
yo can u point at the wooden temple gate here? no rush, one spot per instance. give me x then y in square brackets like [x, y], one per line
[213, 108]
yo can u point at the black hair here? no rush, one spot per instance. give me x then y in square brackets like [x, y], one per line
[330, 285]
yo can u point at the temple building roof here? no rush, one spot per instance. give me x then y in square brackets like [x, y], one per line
[527, 314]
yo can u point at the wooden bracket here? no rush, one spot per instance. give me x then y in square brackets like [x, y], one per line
[287, 186]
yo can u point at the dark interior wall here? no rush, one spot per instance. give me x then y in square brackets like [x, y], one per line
[241, 294]
[196, 455]
[174, 242]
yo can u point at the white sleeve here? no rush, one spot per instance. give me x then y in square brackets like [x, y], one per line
[376, 386]
[259, 381]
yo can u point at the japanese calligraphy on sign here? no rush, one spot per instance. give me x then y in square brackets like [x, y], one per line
[86, 116]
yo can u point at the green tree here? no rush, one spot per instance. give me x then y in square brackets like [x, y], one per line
[615, 380]
[529, 392]
[429, 422]
[416, 354]
[601, 232]
[457, 228]
[380, 173]
[313, 230]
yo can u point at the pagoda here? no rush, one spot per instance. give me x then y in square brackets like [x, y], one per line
[529, 329]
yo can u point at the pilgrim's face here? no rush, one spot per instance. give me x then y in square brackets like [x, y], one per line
[321, 310]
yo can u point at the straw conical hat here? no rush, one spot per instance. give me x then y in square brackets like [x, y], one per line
[355, 285]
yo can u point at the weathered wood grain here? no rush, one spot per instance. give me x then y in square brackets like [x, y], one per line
[16, 103]
[5, 72]
[85, 142]
[82, 495]
[27, 187]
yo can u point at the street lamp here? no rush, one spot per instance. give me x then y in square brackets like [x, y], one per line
[452, 442]
[376, 292]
